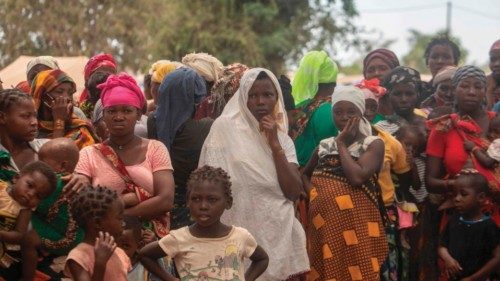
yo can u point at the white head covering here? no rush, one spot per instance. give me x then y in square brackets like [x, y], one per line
[236, 144]
[355, 96]
[207, 66]
[48, 61]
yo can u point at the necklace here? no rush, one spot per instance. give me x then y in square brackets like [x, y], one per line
[121, 147]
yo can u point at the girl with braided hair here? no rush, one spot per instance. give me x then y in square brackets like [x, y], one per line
[99, 211]
[18, 129]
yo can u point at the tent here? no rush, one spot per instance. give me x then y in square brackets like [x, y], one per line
[15, 72]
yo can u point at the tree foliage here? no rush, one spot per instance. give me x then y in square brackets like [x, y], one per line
[255, 32]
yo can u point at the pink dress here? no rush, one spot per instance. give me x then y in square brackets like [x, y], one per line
[94, 165]
[116, 268]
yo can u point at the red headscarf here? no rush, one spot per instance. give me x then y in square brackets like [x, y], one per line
[94, 63]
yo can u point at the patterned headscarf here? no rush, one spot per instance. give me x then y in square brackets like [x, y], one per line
[46, 81]
[401, 74]
[179, 92]
[315, 67]
[372, 89]
[121, 89]
[468, 71]
[207, 66]
[160, 70]
[226, 86]
[446, 73]
[48, 61]
[387, 56]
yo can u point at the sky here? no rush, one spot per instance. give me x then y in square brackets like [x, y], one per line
[475, 23]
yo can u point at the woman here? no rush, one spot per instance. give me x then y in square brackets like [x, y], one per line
[158, 71]
[249, 140]
[403, 86]
[174, 125]
[346, 233]
[138, 169]
[206, 65]
[53, 91]
[312, 88]
[223, 90]
[99, 63]
[446, 154]
[34, 67]
[440, 52]
[376, 65]
[443, 96]
[445, 149]
[493, 80]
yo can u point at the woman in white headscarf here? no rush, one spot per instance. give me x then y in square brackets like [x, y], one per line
[346, 211]
[249, 140]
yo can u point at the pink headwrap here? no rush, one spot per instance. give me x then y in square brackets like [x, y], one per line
[371, 89]
[121, 89]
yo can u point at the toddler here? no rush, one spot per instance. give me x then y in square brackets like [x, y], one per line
[469, 243]
[35, 182]
[490, 157]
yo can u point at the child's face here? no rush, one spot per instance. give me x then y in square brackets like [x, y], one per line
[113, 220]
[128, 242]
[494, 132]
[207, 201]
[29, 189]
[371, 108]
[466, 198]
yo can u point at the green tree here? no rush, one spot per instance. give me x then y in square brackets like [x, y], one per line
[255, 32]
[418, 42]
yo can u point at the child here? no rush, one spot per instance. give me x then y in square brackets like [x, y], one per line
[469, 245]
[54, 231]
[208, 248]
[99, 211]
[35, 182]
[490, 157]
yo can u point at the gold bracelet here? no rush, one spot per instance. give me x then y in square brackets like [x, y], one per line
[59, 124]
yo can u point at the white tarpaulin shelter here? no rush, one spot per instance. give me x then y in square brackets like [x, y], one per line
[15, 72]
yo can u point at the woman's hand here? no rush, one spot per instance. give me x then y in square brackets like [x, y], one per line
[349, 132]
[62, 108]
[74, 183]
[468, 145]
[104, 247]
[269, 126]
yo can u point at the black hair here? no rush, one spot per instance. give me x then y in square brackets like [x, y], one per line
[9, 97]
[95, 79]
[147, 79]
[133, 223]
[91, 204]
[213, 175]
[442, 40]
[42, 168]
[286, 89]
[262, 75]
[475, 180]
[440, 111]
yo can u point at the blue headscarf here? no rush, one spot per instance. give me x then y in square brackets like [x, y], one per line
[179, 93]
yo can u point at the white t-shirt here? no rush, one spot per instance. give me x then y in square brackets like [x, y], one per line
[209, 258]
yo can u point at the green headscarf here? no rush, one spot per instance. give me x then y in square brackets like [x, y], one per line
[315, 67]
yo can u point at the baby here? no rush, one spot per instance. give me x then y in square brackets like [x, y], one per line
[490, 157]
[54, 231]
[35, 182]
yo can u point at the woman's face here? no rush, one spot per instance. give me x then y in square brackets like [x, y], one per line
[121, 119]
[403, 98]
[439, 57]
[20, 120]
[262, 98]
[342, 112]
[470, 93]
[495, 64]
[371, 108]
[377, 68]
[444, 91]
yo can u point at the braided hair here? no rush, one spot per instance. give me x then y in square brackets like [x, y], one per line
[9, 97]
[91, 204]
[213, 175]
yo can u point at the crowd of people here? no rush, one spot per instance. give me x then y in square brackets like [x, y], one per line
[213, 172]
